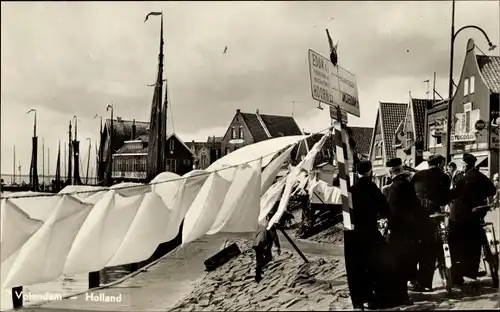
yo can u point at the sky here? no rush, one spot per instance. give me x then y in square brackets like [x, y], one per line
[75, 58]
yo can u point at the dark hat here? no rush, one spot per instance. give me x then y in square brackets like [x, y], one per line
[364, 167]
[395, 162]
[436, 159]
[469, 159]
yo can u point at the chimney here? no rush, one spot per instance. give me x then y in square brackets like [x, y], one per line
[238, 111]
[133, 130]
[257, 111]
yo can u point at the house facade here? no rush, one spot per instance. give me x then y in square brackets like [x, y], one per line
[205, 153]
[249, 128]
[123, 130]
[409, 138]
[389, 117]
[473, 103]
[435, 129]
[130, 161]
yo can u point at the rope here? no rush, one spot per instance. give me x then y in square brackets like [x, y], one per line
[152, 183]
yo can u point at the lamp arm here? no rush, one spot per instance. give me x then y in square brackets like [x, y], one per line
[472, 26]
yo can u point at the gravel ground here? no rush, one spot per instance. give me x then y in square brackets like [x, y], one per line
[288, 284]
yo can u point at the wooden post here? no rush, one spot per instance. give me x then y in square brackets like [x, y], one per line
[94, 279]
[17, 297]
[343, 169]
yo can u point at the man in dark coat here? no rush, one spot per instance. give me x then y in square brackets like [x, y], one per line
[466, 234]
[405, 221]
[432, 187]
[369, 262]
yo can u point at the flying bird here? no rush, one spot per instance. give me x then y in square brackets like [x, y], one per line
[152, 13]
[225, 50]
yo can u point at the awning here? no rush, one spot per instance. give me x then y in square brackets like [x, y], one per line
[422, 166]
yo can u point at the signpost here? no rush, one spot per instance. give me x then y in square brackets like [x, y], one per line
[333, 85]
[334, 113]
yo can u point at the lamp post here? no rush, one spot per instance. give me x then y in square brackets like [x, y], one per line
[450, 85]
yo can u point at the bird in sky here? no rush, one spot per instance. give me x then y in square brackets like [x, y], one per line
[225, 50]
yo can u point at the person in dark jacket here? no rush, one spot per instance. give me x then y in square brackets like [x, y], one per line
[466, 233]
[263, 244]
[454, 174]
[369, 262]
[405, 221]
[432, 187]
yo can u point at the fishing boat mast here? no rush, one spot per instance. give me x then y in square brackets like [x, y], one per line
[34, 154]
[70, 154]
[157, 124]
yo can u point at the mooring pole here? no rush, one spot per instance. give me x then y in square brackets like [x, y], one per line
[94, 279]
[293, 245]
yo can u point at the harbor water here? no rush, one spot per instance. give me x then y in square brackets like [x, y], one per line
[65, 285]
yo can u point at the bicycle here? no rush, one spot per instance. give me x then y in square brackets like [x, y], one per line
[489, 248]
[444, 262]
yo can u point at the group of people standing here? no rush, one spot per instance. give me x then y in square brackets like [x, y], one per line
[381, 269]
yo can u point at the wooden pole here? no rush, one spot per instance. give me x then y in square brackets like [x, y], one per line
[293, 245]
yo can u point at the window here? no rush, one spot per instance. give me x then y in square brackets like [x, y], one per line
[466, 86]
[378, 149]
[233, 133]
[241, 132]
[472, 84]
[203, 160]
[435, 138]
[171, 144]
[186, 162]
[136, 164]
[171, 165]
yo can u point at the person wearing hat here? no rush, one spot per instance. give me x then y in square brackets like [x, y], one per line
[432, 187]
[369, 262]
[466, 234]
[406, 220]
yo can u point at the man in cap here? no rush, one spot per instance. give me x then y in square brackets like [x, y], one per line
[466, 233]
[405, 221]
[369, 262]
[432, 187]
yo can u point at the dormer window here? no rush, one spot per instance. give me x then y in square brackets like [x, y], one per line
[233, 133]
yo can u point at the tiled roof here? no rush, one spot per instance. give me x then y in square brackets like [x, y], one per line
[276, 125]
[362, 136]
[490, 68]
[214, 139]
[419, 106]
[253, 124]
[281, 125]
[391, 115]
[122, 131]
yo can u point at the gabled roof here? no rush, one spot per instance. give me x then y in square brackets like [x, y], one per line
[276, 126]
[490, 69]
[197, 146]
[179, 139]
[390, 116]
[419, 107]
[122, 130]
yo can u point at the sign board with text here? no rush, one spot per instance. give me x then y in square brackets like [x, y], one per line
[333, 85]
[129, 175]
[334, 113]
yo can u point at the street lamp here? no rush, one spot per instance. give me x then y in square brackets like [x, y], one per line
[450, 85]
